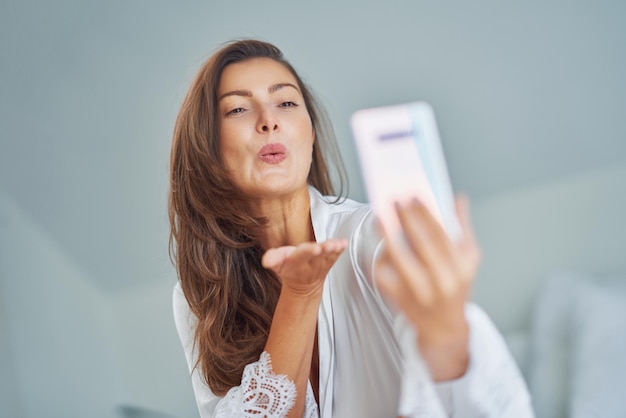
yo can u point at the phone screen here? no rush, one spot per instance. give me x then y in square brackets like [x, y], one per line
[402, 158]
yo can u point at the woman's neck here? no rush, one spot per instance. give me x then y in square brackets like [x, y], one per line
[289, 220]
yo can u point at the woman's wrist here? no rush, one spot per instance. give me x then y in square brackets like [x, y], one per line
[447, 357]
[302, 293]
[299, 305]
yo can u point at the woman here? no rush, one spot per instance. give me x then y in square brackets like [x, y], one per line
[288, 304]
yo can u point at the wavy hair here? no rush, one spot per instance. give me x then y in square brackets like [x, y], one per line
[211, 242]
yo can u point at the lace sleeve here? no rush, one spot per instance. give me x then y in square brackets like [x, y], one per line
[261, 393]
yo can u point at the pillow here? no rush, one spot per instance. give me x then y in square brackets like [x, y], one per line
[598, 360]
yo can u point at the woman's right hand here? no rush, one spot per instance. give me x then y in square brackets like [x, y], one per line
[302, 269]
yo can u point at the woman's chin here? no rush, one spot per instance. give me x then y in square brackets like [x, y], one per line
[277, 189]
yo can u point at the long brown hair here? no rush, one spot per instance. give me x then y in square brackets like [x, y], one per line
[211, 240]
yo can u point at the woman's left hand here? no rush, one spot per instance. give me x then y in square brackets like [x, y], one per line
[429, 280]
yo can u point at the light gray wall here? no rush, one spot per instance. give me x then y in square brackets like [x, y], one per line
[10, 396]
[59, 325]
[524, 92]
[151, 356]
[576, 223]
[71, 349]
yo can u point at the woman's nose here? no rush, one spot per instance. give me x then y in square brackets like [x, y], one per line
[267, 122]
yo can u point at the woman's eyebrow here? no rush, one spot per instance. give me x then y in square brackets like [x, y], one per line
[244, 93]
[247, 93]
[275, 87]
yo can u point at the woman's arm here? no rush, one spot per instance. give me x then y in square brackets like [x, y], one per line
[249, 399]
[302, 271]
[285, 364]
[429, 277]
[444, 339]
[258, 380]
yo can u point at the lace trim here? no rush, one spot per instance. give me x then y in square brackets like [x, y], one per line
[310, 408]
[263, 393]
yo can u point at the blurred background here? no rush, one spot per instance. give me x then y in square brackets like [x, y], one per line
[530, 98]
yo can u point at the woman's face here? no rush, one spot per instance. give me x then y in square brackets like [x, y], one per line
[266, 134]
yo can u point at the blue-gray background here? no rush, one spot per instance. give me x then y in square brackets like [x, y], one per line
[530, 97]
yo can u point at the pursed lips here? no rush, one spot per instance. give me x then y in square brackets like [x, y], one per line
[273, 153]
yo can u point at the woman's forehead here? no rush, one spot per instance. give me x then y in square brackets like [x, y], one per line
[255, 73]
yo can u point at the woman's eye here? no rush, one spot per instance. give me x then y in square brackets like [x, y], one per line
[235, 111]
[288, 104]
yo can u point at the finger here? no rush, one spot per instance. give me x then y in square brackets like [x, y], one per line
[470, 250]
[276, 256]
[318, 257]
[305, 252]
[394, 288]
[332, 250]
[463, 213]
[430, 244]
[388, 281]
[409, 269]
[334, 245]
[417, 219]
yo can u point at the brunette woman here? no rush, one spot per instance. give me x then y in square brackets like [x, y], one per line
[288, 303]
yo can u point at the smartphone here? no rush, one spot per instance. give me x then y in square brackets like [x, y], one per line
[402, 158]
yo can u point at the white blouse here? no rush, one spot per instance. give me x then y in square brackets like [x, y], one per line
[369, 365]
